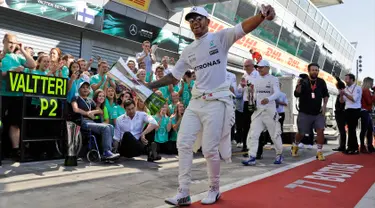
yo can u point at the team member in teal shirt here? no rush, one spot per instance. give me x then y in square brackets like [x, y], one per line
[57, 67]
[187, 84]
[110, 104]
[12, 101]
[161, 134]
[175, 99]
[166, 90]
[175, 121]
[120, 109]
[101, 80]
[42, 66]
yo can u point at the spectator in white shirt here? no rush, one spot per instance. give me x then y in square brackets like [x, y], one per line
[250, 76]
[147, 56]
[130, 132]
[351, 96]
[165, 62]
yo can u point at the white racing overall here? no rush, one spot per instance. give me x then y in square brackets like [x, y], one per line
[265, 116]
[205, 117]
[207, 122]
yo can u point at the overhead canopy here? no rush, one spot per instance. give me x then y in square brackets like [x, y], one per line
[178, 5]
[325, 3]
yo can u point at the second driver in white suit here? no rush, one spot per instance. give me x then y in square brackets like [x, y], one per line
[266, 90]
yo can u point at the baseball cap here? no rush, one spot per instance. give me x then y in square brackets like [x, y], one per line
[196, 10]
[82, 83]
[262, 63]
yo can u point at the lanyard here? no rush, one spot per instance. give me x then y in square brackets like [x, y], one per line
[313, 86]
[87, 105]
[352, 90]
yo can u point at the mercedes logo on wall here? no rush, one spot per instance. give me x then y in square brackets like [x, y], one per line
[133, 29]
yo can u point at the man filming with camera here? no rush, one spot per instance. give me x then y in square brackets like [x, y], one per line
[311, 90]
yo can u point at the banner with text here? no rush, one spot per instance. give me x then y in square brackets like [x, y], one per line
[268, 51]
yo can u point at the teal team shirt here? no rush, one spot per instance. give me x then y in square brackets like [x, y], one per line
[117, 111]
[112, 110]
[174, 133]
[186, 94]
[161, 135]
[172, 107]
[9, 62]
[96, 79]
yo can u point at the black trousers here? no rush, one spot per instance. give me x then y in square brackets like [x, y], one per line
[281, 120]
[239, 127]
[351, 117]
[246, 122]
[340, 121]
[131, 147]
[366, 128]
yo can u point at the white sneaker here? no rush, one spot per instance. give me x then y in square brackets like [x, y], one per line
[234, 142]
[212, 196]
[301, 145]
[309, 146]
[182, 198]
[239, 145]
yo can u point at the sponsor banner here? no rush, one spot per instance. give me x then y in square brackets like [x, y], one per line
[81, 13]
[126, 27]
[269, 52]
[142, 5]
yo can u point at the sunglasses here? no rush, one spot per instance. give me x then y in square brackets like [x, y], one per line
[196, 18]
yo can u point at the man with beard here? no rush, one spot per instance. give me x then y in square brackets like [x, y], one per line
[311, 91]
[210, 114]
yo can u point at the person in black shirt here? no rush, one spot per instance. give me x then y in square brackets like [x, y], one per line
[340, 117]
[311, 91]
[86, 107]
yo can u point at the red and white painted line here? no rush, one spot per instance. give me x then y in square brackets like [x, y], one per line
[340, 181]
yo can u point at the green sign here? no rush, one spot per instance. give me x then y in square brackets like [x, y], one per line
[122, 26]
[79, 12]
[36, 84]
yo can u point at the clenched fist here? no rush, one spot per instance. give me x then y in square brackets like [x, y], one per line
[268, 12]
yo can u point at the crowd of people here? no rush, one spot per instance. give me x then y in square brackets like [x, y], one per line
[98, 103]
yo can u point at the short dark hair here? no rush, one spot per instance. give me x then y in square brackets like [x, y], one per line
[340, 84]
[312, 64]
[351, 76]
[128, 103]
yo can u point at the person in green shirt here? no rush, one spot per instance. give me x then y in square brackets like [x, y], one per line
[111, 103]
[101, 80]
[186, 85]
[102, 117]
[57, 67]
[140, 106]
[175, 121]
[120, 109]
[12, 101]
[42, 66]
[166, 90]
[172, 106]
[161, 133]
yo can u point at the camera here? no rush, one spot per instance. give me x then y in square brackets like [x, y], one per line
[304, 79]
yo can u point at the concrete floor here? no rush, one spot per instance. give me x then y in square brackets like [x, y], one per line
[128, 183]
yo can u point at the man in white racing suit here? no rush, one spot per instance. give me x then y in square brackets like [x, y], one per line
[266, 91]
[210, 114]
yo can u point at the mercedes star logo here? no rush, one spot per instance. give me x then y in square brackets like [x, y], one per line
[133, 29]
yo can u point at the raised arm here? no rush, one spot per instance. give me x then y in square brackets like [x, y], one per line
[172, 78]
